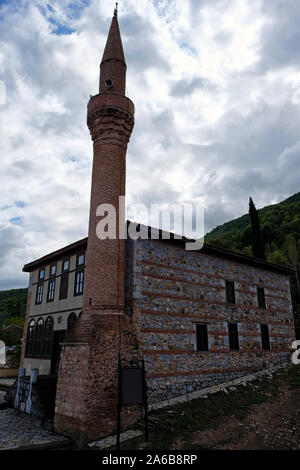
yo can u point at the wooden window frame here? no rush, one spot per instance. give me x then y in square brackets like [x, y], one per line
[30, 338]
[77, 258]
[38, 295]
[48, 337]
[228, 292]
[233, 335]
[78, 272]
[203, 327]
[49, 283]
[62, 266]
[52, 266]
[39, 275]
[39, 338]
[64, 276]
[71, 320]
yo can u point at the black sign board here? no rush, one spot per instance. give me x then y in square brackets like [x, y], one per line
[132, 391]
[132, 386]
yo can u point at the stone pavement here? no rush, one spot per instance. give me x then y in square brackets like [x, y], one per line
[18, 430]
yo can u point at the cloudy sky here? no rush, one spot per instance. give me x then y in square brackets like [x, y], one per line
[216, 85]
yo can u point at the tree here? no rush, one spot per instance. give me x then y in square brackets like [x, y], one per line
[257, 242]
[292, 254]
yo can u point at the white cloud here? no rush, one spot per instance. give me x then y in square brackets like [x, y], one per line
[216, 89]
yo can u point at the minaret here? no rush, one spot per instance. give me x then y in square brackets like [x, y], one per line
[87, 388]
[110, 121]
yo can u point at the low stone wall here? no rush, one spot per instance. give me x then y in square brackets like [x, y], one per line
[218, 388]
[160, 389]
[36, 409]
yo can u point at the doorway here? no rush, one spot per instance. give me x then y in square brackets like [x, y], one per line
[58, 337]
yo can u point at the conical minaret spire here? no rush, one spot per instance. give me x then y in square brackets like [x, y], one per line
[113, 65]
[110, 120]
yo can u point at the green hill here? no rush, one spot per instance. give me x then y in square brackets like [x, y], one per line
[280, 227]
[284, 217]
[13, 305]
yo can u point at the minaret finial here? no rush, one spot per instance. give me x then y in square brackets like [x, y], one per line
[116, 10]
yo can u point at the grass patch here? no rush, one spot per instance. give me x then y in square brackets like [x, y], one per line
[179, 422]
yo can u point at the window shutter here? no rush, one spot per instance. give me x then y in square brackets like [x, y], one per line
[233, 336]
[230, 294]
[64, 284]
[265, 339]
[261, 297]
[202, 338]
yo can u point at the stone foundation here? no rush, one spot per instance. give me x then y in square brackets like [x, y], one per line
[87, 391]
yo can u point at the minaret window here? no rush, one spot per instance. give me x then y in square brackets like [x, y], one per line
[108, 83]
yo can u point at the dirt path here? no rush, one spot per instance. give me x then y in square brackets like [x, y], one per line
[271, 425]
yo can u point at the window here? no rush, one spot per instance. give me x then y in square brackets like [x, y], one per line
[39, 337]
[30, 338]
[66, 265]
[230, 294]
[39, 293]
[42, 273]
[79, 276]
[80, 259]
[265, 340]
[233, 337]
[70, 323]
[202, 338]
[52, 270]
[48, 336]
[261, 297]
[51, 289]
[64, 284]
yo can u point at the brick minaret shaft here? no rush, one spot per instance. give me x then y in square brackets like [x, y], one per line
[110, 121]
[87, 388]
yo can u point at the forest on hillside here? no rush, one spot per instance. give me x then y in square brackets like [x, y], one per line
[12, 312]
[280, 231]
[13, 305]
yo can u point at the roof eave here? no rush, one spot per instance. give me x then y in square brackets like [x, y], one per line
[29, 267]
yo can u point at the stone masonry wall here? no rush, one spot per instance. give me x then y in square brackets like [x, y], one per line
[175, 289]
[87, 389]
